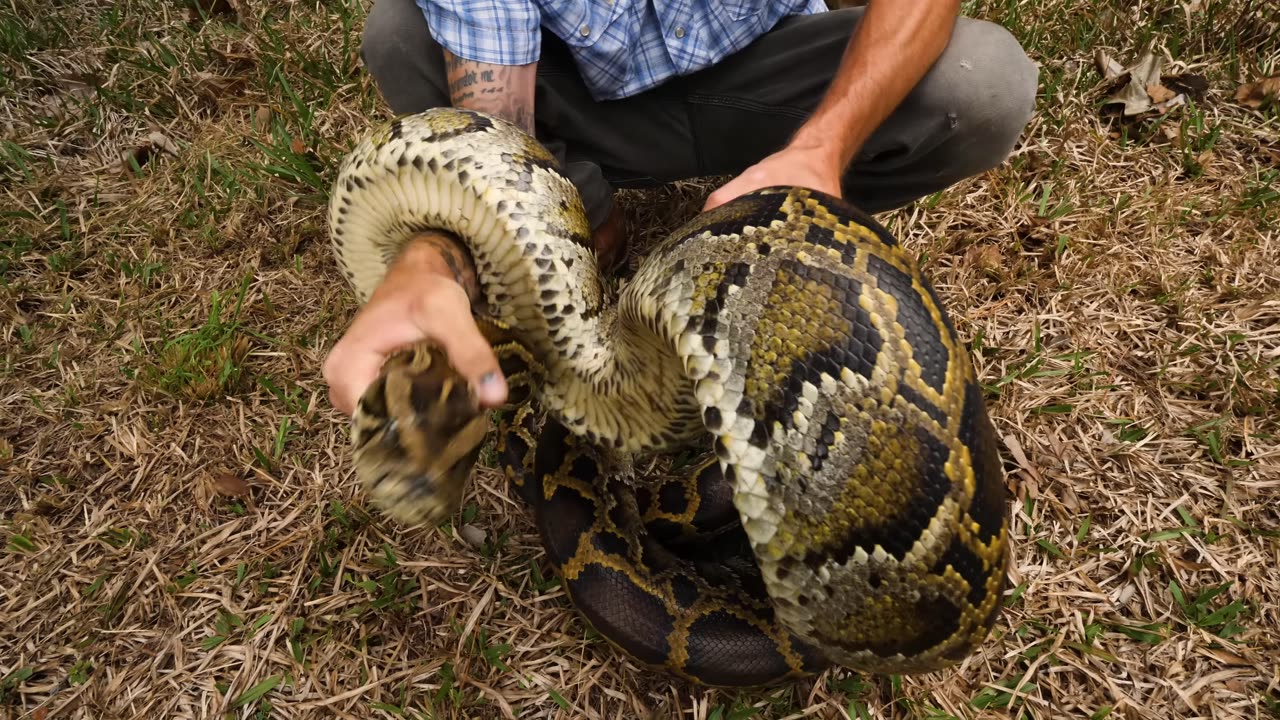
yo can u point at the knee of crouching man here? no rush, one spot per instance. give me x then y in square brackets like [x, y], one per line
[989, 87]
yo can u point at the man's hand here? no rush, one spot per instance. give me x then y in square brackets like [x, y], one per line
[893, 47]
[815, 168]
[425, 295]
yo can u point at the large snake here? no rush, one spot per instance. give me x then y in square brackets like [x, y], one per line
[845, 503]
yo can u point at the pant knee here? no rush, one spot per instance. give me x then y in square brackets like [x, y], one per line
[404, 60]
[987, 86]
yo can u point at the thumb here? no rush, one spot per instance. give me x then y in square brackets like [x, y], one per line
[714, 200]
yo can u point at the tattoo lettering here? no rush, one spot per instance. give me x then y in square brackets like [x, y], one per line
[505, 91]
[455, 257]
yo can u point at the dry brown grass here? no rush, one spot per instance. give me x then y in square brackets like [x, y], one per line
[181, 534]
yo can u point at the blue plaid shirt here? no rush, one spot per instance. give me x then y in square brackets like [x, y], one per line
[621, 46]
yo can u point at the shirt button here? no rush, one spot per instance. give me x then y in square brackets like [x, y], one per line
[680, 31]
[585, 31]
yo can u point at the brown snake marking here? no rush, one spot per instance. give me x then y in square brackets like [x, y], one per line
[850, 508]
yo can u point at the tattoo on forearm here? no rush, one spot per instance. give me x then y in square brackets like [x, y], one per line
[502, 90]
[455, 257]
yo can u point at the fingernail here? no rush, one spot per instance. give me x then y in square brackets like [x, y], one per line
[491, 390]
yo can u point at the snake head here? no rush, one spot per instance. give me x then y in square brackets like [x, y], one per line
[417, 433]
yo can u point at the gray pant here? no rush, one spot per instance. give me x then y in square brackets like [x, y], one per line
[963, 118]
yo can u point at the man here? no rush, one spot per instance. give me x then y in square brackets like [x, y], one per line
[880, 104]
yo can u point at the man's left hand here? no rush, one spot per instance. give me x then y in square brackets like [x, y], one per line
[810, 167]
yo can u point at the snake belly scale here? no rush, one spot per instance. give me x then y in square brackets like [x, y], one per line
[848, 506]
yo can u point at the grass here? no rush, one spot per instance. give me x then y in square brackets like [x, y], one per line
[181, 534]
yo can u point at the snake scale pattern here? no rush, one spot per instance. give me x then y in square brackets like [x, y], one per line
[838, 496]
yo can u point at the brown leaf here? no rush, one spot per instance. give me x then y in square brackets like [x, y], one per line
[230, 484]
[1236, 685]
[1226, 658]
[1132, 95]
[1139, 90]
[985, 258]
[1107, 65]
[1171, 103]
[1259, 94]
[140, 155]
[473, 535]
[160, 141]
[297, 146]
[1159, 93]
[262, 118]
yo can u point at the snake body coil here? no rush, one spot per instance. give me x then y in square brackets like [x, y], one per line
[849, 506]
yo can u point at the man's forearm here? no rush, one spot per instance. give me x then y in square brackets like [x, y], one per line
[893, 47]
[503, 90]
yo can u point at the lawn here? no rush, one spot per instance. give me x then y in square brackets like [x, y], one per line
[180, 532]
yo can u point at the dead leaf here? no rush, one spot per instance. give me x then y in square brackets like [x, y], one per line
[1133, 97]
[297, 146]
[1226, 658]
[1160, 94]
[985, 258]
[262, 118]
[473, 535]
[230, 484]
[1258, 95]
[6, 452]
[1133, 94]
[160, 141]
[1171, 103]
[1236, 685]
[139, 155]
[1107, 65]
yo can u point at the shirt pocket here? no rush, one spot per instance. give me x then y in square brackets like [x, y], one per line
[739, 10]
[581, 23]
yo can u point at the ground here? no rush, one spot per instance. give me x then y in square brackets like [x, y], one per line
[181, 532]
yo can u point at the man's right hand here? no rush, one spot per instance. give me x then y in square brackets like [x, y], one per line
[420, 298]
